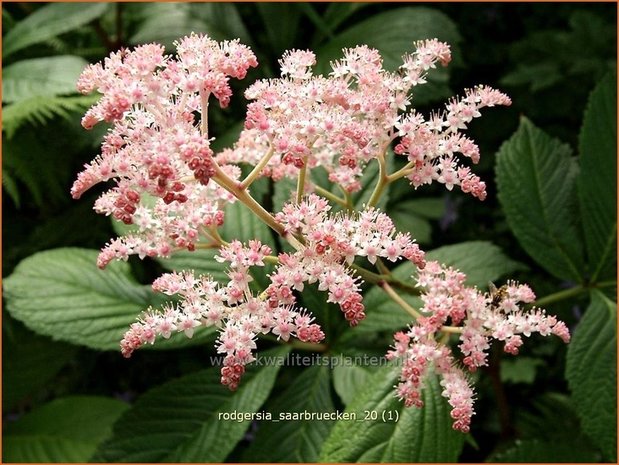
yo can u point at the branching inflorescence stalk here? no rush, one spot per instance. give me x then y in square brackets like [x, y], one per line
[338, 123]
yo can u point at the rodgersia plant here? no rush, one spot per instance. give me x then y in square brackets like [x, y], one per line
[159, 147]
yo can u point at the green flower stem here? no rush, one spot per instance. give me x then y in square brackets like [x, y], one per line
[559, 296]
[375, 278]
[246, 199]
[202, 246]
[368, 275]
[251, 177]
[215, 235]
[301, 181]
[204, 113]
[383, 180]
[296, 344]
[347, 198]
[400, 173]
[215, 240]
[382, 267]
[569, 293]
[451, 329]
[399, 300]
[412, 311]
[330, 196]
[604, 284]
[271, 259]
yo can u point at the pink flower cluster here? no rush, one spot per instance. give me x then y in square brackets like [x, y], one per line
[431, 145]
[238, 315]
[330, 243]
[419, 357]
[479, 318]
[155, 149]
[158, 151]
[343, 121]
[172, 189]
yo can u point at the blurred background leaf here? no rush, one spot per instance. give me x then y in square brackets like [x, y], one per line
[64, 430]
[50, 21]
[50, 76]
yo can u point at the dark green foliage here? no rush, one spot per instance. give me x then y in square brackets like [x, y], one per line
[179, 421]
[536, 177]
[549, 219]
[592, 373]
[65, 430]
[374, 435]
[295, 441]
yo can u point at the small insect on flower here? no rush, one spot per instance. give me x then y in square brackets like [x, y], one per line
[497, 295]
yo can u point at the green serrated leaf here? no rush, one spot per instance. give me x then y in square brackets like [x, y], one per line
[540, 76]
[62, 294]
[28, 154]
[419, 435]
[550, 417]
[7, 20]
[318, 21]
[536, 179]
[180, 422]
[49, 21]
[241, 223]
[382, 313]
[432, 208]
[82, 418]
[284, 191]
[49, 76]
[349, 380]
[393, 33]
[591, 372]
[328, 315]
[413, 215]
[295, 441]
[64, 430]
[597, 181]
